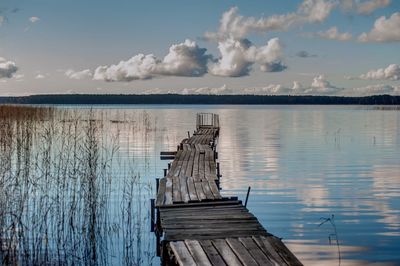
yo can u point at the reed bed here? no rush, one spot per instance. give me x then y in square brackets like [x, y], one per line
[71, 192]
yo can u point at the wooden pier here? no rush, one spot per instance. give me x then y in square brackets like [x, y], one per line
[198, 225]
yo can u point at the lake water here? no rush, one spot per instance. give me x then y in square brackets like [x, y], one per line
[304, 164]
[308, 162]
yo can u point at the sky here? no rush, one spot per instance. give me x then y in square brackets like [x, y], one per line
[296, 47]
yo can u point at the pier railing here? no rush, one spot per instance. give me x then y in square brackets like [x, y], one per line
[207, 120]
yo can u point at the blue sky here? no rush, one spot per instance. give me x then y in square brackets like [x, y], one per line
[327, 47]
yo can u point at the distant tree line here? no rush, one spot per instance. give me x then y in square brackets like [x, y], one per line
[92, 99]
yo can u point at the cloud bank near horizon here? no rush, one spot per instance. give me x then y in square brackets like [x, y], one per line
[319, 86]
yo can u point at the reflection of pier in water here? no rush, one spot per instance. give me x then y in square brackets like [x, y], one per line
[199, 226]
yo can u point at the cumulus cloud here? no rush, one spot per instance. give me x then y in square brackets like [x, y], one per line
[184, 59]
[34, 19]
[137, 67]
[334, 34]
[305, 54]
[321, 86]
[384, 30]
[234, 25]
[7, 68]
[391, 72]
[83, 74]
[237, 57]
[364, 7]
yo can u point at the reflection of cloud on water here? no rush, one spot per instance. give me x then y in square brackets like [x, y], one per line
[305, 162]
[386, 187]
[312, 253]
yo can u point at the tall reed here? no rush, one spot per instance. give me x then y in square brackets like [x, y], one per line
[70, 189]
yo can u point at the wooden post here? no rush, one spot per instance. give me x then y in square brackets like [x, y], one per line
[165, 172]
[247, 196]
[169, 166]
[218, 176]
[188, 135]
[158, 249]
[157, 184]
[152, 219]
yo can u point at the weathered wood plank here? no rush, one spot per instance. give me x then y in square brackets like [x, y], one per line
[195, 171]
[192, 189]
[255, 251]
[214, 190]
[201, 165]
[199, 191]
[226, 252]
[269, 250]
[189, 169]
[212, 253]
[241, 252]
[168, 190]
[161, 192]
[182, 178]
[282, 250]
[176, 192]
[198, 204]
[198, 254]
[181, 253]
[207, 190]
[208, 235]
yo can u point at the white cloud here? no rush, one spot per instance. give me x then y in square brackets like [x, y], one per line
[334, 34]
[368, 7]
[34, 19]
[236, 26]
[70, 73]
[297, 86]
[137, 67]
[374, 90]
[184, 59]
[321, 86]
[364, 7]
[391, 72]
[2, 19]
[19, 77]
[384, 30]
[237, 57]
[40, 76]
[7, 68]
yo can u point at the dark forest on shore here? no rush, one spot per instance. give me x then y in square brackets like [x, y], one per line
[198, 99]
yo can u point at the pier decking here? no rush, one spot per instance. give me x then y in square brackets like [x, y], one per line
[201, 227]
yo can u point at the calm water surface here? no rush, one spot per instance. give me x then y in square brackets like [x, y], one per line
[305, 163]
